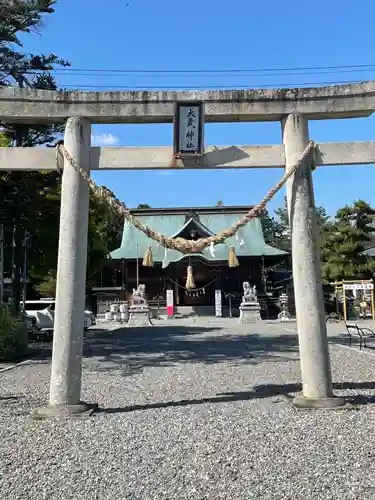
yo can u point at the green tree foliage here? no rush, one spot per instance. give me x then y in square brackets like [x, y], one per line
[18, 17]
[344, 240]
[47, 287]
[13, 335]
[104, 234]
[4, 140]
[31, 200]
[143, 205]
[274, 232]
[281, 225]
[21, 191]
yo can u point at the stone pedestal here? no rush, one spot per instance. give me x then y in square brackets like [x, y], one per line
[249, 308]
[108, 316]
[124, 317]
[139, 311]
[124, 313]
[139, 315]
[249, 312]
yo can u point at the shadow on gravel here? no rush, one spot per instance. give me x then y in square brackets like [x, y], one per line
[259, 392]
[133, 349]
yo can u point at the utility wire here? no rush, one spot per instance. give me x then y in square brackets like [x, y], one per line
[211, 73]
[205, 75]
[208, 87]
[354, 67]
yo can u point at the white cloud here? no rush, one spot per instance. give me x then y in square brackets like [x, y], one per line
[165, 172]
[104, 140]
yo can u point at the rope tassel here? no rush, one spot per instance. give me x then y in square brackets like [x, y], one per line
[233, 261]
[148, 260]
[190, 285]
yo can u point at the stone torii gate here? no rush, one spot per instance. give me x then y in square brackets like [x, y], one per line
[293, 108]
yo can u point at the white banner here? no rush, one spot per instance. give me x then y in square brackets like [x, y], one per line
[358, 286]
[218, 305]
[170, 307]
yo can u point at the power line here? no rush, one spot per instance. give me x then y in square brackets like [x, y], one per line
[205, 75]
[207, 87]
[232, 70]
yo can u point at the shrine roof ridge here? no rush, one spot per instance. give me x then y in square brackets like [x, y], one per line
[157, 106]
[227, 209]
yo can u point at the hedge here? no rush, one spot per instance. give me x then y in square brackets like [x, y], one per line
[13, 335]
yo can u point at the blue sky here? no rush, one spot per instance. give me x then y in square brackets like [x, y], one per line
[210, 35]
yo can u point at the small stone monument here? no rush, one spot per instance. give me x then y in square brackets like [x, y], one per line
[139, 311]
[249, 308]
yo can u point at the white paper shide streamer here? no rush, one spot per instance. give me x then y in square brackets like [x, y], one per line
[239, 237]
[165, 257]
[212, 250]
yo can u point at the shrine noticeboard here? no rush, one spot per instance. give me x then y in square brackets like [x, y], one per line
[188, 129]
[358, 286]
[218, 304]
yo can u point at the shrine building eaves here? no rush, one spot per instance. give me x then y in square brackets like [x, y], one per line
[47, 106]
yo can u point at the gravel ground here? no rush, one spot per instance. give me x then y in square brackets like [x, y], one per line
[190, 411]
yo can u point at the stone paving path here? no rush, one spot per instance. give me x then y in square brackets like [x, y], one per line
[191, 410]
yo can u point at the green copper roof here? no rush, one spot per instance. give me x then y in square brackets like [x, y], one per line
[248, 242]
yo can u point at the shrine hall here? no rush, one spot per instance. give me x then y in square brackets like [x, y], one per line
[210, 267]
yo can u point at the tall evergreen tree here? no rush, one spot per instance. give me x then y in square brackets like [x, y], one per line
[274, 232]
[344, 241]
[19, 190]
[18, 17]
[282, 218]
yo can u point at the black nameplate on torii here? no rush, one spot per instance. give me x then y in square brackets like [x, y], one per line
[188, 129]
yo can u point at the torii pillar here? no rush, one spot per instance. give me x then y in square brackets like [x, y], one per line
[308, 291]
[65, 387]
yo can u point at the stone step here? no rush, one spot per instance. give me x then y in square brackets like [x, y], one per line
[203, 311]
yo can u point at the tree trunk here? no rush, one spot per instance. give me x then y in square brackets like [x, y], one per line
[17, 241]
[16, 265]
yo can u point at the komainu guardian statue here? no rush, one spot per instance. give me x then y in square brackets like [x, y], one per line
[249, 308]
[139, 311]
[249, 293]
[139, 295]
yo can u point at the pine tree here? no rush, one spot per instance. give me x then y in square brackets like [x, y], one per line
[19, 17]
[274, 232]
[344, 241]
[19, 190]
[281, 213]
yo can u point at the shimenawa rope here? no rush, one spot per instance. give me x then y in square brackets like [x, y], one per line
[181, 244]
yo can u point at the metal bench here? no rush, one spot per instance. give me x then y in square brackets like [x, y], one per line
[362, 333]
